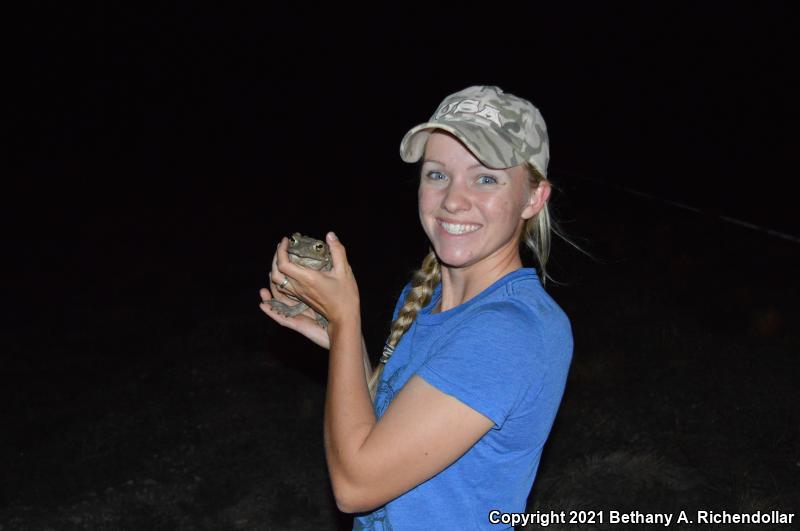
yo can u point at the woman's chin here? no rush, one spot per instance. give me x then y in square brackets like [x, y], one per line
[453, 257]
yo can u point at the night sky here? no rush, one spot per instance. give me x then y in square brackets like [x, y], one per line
[118, 109]
[146, 134]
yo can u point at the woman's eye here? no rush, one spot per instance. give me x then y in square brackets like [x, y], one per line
[435, 175]
[487, 179]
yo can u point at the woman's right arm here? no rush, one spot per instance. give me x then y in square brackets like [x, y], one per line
[422, 432]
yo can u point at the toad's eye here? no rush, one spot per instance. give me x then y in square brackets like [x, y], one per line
[294, 240]
[489, 179]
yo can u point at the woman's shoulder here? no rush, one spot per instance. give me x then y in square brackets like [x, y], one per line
[524, 301]
[509, 311]
[526, 316]
[504, 321]
[527, 292]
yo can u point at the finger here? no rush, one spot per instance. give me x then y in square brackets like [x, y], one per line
[284, 265]
[338, 253]
[300, 323]
[267, 295]
[275, 316]
[267, 309]
[275, 276]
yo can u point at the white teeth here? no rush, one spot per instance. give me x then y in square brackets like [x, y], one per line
[458, 229]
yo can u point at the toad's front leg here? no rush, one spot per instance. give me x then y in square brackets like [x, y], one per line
[292, 311]
[286, 310]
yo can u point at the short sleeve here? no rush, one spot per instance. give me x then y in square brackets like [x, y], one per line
[490, 361]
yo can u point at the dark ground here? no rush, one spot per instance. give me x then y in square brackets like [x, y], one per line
[148, 391]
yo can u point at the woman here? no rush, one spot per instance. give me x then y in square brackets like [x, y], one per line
[468, 385]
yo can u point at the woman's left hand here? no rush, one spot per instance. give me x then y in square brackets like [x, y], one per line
[332, 293]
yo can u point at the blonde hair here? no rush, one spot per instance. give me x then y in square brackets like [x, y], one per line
[535, 235]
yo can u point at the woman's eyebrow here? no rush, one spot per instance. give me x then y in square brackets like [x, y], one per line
[478, 165]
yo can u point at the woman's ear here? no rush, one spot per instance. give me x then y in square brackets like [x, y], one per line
[537, 199]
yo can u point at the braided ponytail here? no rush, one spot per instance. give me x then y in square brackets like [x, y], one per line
[422, 286]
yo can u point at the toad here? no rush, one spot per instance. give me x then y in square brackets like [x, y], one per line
[307, 252]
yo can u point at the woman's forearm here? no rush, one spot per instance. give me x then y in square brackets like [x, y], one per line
[349, 416]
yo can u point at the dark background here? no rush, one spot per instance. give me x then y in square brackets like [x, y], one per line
[128, 108]
[288, 117]
[156, 156]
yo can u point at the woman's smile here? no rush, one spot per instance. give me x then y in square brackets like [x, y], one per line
[457, 229]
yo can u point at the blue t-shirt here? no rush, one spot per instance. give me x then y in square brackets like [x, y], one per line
[505, 353]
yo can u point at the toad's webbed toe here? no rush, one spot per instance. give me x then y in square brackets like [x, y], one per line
[286, 310]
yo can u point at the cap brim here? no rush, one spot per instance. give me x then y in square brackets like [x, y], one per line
[412, 146]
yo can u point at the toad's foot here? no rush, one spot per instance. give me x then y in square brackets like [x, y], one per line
[286, 310]
[292, 311]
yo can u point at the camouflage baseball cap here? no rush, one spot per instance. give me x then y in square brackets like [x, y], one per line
[500, 129]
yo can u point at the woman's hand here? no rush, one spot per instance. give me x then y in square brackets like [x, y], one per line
[304, 323]
[332, 293]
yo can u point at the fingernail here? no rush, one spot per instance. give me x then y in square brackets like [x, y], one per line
[332, 236]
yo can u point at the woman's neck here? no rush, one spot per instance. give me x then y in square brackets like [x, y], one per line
[461, 284]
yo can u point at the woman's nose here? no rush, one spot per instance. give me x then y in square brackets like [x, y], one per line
[456, 198]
